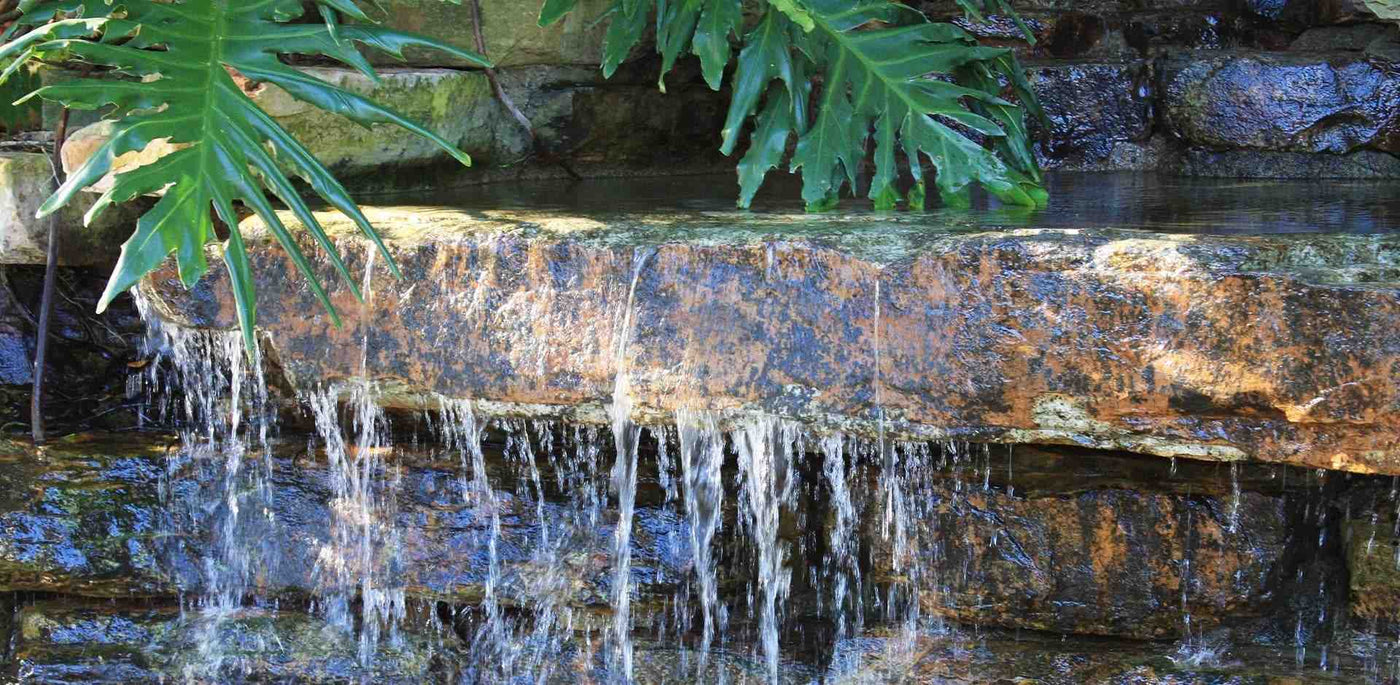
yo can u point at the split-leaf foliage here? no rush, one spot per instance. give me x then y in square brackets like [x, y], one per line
[1385, 9]
[889, 80]
[167, 70]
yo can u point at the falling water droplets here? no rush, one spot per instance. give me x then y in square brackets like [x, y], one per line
[701, 458]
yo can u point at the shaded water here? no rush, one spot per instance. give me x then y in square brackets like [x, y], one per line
[1133, 200]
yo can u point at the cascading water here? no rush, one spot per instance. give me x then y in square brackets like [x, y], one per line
[225, 422]
[571, 548]
[462, 433]
[842, 567]
[626, 435]
[765, 446]
[701, 457]
[360, 560]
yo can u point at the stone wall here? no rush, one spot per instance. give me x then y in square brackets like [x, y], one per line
[1197, 87]
[104, 534]
[1250, 88]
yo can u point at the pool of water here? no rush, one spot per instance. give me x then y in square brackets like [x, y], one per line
[1145, 201]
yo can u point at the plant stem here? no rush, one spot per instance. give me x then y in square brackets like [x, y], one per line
[41, 343]
[509, 104]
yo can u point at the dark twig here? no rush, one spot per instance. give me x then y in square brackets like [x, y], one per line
[491, 73]
[41, 345]
[505, 99]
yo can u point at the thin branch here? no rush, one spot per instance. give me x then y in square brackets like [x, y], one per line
[505, 99]
[41, 343]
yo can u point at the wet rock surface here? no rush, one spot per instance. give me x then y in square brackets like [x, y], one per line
[113, 517]
[1246, 164]
[1305, 82]
[1123, 548]
[1119, 127]
[1071, 542]
[1173, 345]
[66, 641]
[1333, 104]
[84, 518]
[997, 657]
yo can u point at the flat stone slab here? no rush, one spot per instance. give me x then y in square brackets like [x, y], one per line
[1280, 348]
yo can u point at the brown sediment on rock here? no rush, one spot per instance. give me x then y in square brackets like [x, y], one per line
[1281, 348]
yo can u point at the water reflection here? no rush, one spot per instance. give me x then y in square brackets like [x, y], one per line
[1146, 201]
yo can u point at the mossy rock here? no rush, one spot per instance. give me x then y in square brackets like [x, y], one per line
[510, 28]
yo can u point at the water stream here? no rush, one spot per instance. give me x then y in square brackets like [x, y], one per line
[715, 549]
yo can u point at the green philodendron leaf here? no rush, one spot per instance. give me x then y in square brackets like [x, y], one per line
[718, 19]
[917, 197]
[227, 150]
[890, 80]
[629, 23]
[767, 145]
[1385, 9]
[765, 56]
[794, 13]
[674, 29]
[554, 10]
[877, 79]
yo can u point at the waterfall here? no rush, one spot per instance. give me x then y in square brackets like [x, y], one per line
[462, 432]
[702, 456]
[842, 567]
[765, 446]
[575, 560]
[626, 435]
[361, 558]
[225, 423]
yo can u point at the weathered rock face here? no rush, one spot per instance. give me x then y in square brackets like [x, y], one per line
[86, 520]
[1059, 541]
[1370, 538]
[1117, 134]
[1360, 165]
[457, 105]
[26, 180]
[1357, 38]
[1175, 345]
[1311, 13]
[89, 518]
[1282, 102]
[1374, 574]
[1266, 89]
[1062, 540]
